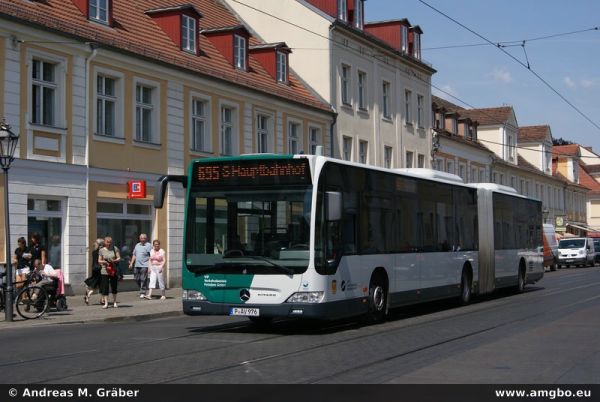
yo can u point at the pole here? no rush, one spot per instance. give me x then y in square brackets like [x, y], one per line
[8, 305]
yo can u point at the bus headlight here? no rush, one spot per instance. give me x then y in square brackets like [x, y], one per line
[305, 297]
[193, 295]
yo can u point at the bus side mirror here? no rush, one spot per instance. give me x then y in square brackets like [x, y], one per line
[333, 200]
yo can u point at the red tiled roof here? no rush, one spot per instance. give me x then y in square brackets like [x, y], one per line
[588, 181]
[444, 104]
[565, 150]
[533, 133]
[135, 32]
[489, 116]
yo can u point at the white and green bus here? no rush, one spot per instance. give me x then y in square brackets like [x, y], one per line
[309, 236]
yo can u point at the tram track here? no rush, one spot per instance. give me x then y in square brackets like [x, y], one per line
[411, 322]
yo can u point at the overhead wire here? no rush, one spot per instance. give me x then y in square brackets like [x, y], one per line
[546, 83]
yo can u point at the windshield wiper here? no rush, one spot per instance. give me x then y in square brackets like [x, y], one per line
[287, 270]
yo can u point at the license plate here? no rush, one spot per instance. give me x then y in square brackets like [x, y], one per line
[569, 260]
[244, 311]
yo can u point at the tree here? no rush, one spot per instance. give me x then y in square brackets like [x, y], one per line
[561, 141]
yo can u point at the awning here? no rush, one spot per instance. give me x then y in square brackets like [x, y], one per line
[584, 227]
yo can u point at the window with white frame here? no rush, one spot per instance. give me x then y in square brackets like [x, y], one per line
[227, 113]
[450, 167]
[420, 161]
[293, 137]
[262, 133]
[439, 164]
[201, 138]
[239, 52]
[387, 157]
[188, 33]
[473, 175]
[282, 71]
[512, 182]
[362, 90]
[98, 10]
[404, 39]
[501, 178]
[461, 171]
[144, 111]
[511, 148]
[44, 87]
[454, 126]
[347, 148]
[363, 149]
[358, 14]
[495, 177]
[420, 116]
[482, 175]
[416, 45]
[343, 10]
[408, 106]
[345, 84]
[386, 100]
[106, 105]
[409, 159]
[314, 135]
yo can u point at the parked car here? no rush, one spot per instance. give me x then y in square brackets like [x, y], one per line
[597, 248]
[577, 251]
[550, 247]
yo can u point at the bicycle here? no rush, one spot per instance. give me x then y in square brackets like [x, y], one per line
[31, 302]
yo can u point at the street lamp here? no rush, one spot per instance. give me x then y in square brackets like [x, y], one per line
[546, 212]
[8, 145]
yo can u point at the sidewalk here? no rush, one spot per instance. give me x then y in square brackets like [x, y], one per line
[131, 307]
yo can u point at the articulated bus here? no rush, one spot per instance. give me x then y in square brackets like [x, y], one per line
[310, 236]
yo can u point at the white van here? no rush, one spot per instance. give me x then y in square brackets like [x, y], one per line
[550, 247]
[576, 251]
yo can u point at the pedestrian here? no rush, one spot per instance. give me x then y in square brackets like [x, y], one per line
[38, 251]
[93, 281]
[108, 258]
[157, 264]
[139, 260]
[22, 260]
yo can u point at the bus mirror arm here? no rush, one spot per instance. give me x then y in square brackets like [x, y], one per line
[161, 187]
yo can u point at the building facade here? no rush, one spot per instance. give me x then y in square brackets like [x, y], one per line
[371, 72]
[108, 92]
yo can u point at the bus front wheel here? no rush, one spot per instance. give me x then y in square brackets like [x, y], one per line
[378, 295]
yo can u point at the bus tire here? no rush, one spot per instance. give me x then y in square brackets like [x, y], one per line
[466, 282]
[378, 298]
[521, 280]
[554, 266]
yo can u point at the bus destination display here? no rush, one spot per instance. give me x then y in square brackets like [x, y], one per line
[259, 172]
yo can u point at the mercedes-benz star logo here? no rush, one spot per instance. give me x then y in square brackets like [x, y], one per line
[244, 295]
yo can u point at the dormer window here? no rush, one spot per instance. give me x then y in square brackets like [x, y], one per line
[188, 33]
[239, 52]
[417, 45]
[282, 69]
[358, 14]
[98, 10]
[343, 10]
[404, 39]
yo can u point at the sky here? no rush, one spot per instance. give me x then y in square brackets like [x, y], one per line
[483, 76]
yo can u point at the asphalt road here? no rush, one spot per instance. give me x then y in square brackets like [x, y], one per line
[549, 334]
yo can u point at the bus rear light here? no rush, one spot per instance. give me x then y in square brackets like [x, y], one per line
[306, 297]
[193, 295]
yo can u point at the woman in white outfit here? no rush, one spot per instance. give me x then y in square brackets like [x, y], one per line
[157, 264]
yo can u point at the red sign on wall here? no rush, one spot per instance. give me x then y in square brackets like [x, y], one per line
[136, 189]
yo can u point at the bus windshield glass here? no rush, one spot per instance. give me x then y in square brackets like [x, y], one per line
[255, 231]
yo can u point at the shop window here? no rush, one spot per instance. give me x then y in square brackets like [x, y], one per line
[45, 216]
[124, 221]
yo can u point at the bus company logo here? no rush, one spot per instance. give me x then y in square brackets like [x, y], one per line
[244, 295]
[305, 284]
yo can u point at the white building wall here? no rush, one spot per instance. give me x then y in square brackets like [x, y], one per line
[78, 110]
[309, 42]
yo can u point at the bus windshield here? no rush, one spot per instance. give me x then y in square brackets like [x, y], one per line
[258, 231]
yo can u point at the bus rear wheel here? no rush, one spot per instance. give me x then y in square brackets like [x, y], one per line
[521, 279]
[465, 287]
[378, 299]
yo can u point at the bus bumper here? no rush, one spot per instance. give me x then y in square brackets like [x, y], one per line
[323, 311]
